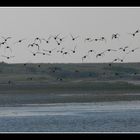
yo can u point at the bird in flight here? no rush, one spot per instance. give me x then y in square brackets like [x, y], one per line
[133, 50]
[8, 57]
[61, 51]
[74, 50]
[134, 34]
[84, 57]
[37, 39]
[47, 40]
[58, 43]
[99, 54]
[74, 38]
[2, 43]
[49, 51]
[34, 53]
[6, 38]
[102, 39]
[118, 59]
[90, 51]
[8, 47]
[88, 39]
[108, 50]
[123, 48]
[61, 39]
[19, 41]
[56, 36]
[65, 53]
[115, 36]
[34, 44]
[43, 53]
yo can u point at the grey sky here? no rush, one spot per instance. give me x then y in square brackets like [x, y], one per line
[86, 22]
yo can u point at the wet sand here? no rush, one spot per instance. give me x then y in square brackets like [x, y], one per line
[72, 117]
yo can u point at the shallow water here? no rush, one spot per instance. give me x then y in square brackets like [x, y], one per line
[72, 117]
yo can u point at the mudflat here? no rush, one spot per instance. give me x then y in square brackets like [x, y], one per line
[68, 83]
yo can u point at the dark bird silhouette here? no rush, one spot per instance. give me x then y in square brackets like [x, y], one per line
[109, 50]
[124, 48]
[65, 53]
[56, 36]
[76, 71]
[84, 57]
[62, 39]
[34, 53]
[30, 78]
[9, 83]
[88, 39]
[116, 73]
[102, 53]
[43, 53]
[61, 51]
[2, 43]
[19, 41]
[96, 39]
[118, 59]
[133, 50]
[99, 54]
[34, 44]
[58, 43]
[74, 50]
[49, 51]
[6, 38]
[8, 57]
[37, 39]
[8, 47]
[59, 79]
[31, 45]
[74, 38]
[90, 51]
[134, 34]
[115, 36]
[102, 39]
[47, 40]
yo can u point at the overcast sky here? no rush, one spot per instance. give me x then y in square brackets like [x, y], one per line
[86, 22]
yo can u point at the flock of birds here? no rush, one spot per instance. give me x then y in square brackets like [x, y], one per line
[59, 39]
